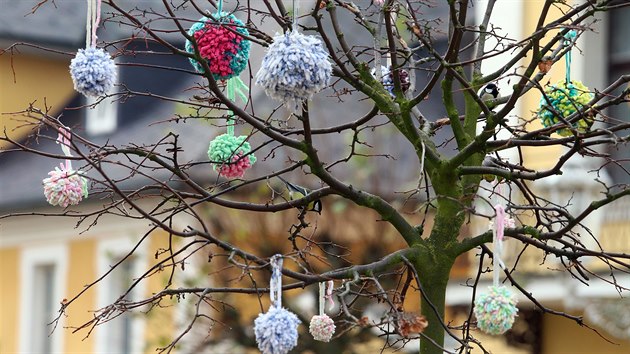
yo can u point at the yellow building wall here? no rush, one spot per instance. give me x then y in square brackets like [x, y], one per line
[563, 336]
[82, 271]
[9, 289]
[539, 157]
[27, 78]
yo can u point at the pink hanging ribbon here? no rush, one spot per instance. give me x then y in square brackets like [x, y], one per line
[96, 22]
[328, 296]
[500, 223]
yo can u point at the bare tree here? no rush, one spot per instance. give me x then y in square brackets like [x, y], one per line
[423, 173]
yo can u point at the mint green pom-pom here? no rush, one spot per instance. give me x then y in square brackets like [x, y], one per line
[564, 100]
[495, 310]
[230, 155]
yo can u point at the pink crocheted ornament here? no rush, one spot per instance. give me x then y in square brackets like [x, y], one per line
[64, 187]
[322, 328]
[235, 169]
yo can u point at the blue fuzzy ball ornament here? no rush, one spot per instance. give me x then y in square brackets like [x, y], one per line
[276, 331]
[495, 310]
[93, 72]
[295, 67]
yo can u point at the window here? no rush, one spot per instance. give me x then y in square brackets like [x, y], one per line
[43, 307]
[102, 118]
[43, 275]
[619, 64]
[119, 331]
[125, 333]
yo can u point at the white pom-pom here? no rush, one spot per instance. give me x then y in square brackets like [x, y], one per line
[322, 328]
[295, 67]
[65, 187]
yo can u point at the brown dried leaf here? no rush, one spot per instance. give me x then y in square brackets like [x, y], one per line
[412, 323]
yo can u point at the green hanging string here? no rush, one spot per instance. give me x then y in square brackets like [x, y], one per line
[568, 42]
[235, 87]
[220, 7]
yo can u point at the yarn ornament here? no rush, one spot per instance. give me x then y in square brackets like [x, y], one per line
[562, 100]
[65, 186]
[221, 41]
[321, 326]
[230, 155]
[496, 309]
[92, 70]
[387, 79]
[276, 330]
[294, 68]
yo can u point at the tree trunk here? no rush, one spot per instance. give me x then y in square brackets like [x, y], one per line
[433, 276]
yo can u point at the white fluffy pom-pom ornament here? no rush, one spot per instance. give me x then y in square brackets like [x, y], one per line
[295, 67]
[65, 187]
[93, 72]
[322, 328]
[276, 331]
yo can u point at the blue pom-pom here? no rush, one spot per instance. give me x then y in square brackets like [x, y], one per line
[276, 331]
[295, 67]
[93, 72]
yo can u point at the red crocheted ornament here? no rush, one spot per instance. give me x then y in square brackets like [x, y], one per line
[215, 42]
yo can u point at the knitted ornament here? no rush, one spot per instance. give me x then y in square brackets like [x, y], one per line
[92, 70]
[387, 79]
[65, 186]
[321, 326]
[563, 100]
[495, 310]
[276, 330]
[295, 67]
[230, 155]
[222, 43]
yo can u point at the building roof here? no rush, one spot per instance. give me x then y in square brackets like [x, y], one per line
[139, 119]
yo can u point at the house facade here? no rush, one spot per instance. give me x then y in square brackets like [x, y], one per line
[46, 260]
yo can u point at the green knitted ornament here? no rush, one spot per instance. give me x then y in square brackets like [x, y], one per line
[230, 155]
[563, 100]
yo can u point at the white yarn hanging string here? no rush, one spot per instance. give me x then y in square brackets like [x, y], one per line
[497, 242]
[322, 297]
[275, 285]
[91, 22]
[377, 46]
[296, 8]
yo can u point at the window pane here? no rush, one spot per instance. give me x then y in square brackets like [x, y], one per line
[43, 308]
[119, 330]
[619, 29]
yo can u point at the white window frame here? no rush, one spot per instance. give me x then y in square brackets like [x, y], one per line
[30, 259]
[109, 252]
[102, 118]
